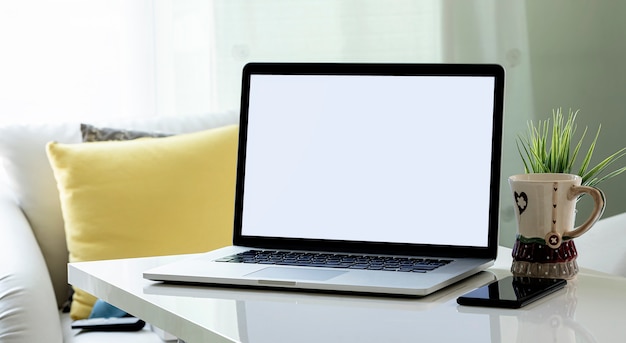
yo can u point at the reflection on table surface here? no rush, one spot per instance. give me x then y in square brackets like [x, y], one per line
[274, 316]
[280, 316]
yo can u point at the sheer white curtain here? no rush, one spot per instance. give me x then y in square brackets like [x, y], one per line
[99, 58]
[76, 59]
[201, 46]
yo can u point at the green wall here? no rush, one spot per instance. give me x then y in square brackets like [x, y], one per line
[577, 50]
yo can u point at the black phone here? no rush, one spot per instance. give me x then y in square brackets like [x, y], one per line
[511, 292]
[109, 324]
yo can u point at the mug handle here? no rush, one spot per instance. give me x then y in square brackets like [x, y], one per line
[598, 209]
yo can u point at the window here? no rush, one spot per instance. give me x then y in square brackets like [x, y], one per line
[72, 59]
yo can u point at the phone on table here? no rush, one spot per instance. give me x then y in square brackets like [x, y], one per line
[511, 292]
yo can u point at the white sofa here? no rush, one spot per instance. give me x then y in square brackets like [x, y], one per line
[33, 250]
[603, 247]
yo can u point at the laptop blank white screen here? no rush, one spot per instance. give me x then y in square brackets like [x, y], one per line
[398, 159]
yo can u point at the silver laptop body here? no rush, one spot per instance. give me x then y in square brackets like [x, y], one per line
[395, 162]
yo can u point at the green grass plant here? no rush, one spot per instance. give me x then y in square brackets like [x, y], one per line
[550, 147]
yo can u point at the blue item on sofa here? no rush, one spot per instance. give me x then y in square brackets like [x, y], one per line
[102, 309]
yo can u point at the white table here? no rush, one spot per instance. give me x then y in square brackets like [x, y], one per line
[590, 309]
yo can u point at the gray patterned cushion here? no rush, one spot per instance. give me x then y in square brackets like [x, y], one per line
[91, 133]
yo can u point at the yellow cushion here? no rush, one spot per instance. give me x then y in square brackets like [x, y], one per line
[145, 197]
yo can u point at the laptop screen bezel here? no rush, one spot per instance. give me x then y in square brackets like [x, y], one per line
[491, 70]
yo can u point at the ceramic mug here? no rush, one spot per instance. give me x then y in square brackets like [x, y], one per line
[545, 208]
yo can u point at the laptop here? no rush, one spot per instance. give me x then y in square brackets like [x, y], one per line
[361, 178]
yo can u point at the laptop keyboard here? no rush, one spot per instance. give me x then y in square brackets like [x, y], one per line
[330, 260]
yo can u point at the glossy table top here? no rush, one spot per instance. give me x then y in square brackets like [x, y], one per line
[589, 309]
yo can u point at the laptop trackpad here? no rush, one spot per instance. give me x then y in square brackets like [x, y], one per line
[295, 274]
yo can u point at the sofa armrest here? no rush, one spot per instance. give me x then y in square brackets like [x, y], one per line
[603, 247]
[28, 308]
